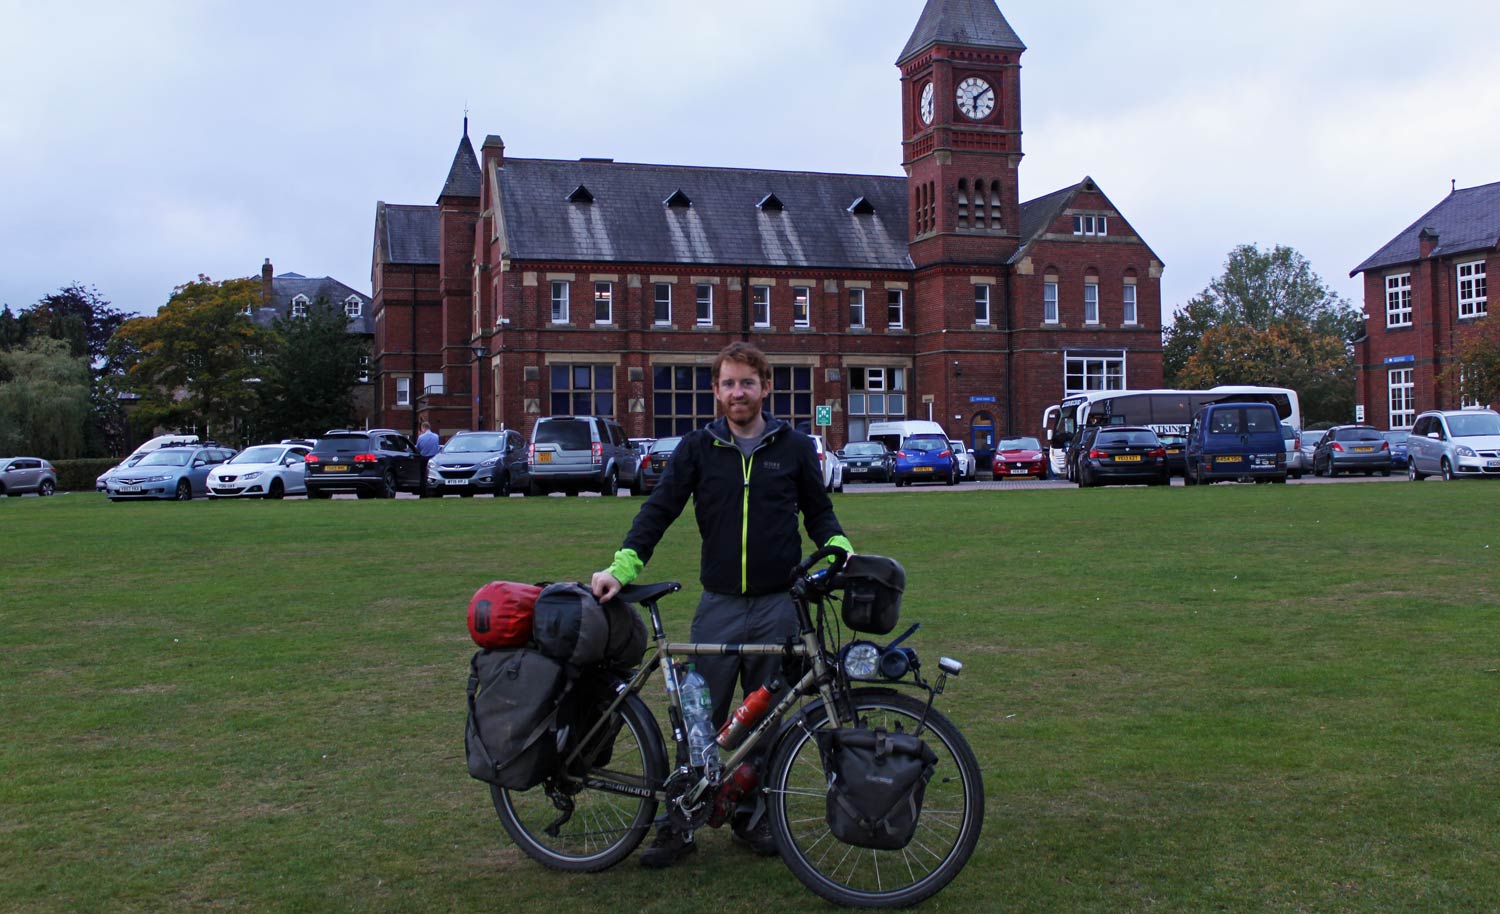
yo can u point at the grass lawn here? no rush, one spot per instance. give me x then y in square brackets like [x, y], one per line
[1229, 699]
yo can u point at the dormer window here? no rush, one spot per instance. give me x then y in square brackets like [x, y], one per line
[353, 306]
[580, 194]
[770, 203]
[678, 198]
[862, 207]
[1091, 225]
[299, 306]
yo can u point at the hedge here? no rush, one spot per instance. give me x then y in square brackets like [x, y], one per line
[79, 475]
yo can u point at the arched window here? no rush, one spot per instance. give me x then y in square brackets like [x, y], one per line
[299, 306]
[979, 219]
[963, 203]
[354, 307]
[994, 204]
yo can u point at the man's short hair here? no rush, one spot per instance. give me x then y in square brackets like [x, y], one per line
[426, 427]
[746, 354]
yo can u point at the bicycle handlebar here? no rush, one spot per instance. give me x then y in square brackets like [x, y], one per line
[837, 553]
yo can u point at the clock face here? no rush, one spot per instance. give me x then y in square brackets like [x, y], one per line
[926, 108]
[976, 99]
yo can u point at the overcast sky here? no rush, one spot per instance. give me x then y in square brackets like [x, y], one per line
[144, 143]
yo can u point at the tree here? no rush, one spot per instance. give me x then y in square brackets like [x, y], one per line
[44, 400]
[1475, 372]
[309, 375]
[192, 363]
[78, 315]
[1268, 319]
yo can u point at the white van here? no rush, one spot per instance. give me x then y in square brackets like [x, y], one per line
[892, 434]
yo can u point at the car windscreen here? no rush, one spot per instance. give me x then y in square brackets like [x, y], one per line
[1358, 434]
[665, 445]
[343, 444]
[1127, 439]
[1473, 425]
[258, 455]
[474, 444]
[865, 449]
[567, 434]
[1396, 437]
[921, 444]
[165, 458]
[1019, 444]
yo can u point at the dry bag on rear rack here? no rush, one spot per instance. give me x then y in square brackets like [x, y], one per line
[515, 699]
[571, 626]
[873, 586]
[876, 781]
[500, 614]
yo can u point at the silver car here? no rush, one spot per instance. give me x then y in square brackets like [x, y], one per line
[19, 475]
[1454, 443]
[572, 453]
[1296, 464]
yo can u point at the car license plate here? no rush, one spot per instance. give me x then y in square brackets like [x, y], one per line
[1493, 464]
[336, 468]
[1019, 471]
[1364, 450]
[1232, 459]
[128, 489]
[544, 457]
[855, 471]
[921, 469]
[1127, 458]
[456, 482]
[1174, 450]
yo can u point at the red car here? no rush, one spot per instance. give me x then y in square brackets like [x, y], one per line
[1019, 457]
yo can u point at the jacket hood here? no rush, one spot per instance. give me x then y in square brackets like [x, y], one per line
[719, 428]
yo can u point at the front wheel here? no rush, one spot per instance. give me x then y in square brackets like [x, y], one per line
[947, 832]
[1447, 470]
[1411, 471]
[604, 827]
[184, 491]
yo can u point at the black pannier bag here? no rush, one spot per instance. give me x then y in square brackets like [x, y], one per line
[571, 626]
[593, 693]
[876, 781]
[873, 585]
[515, 699]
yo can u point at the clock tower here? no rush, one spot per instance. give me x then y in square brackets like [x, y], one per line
[961, 133]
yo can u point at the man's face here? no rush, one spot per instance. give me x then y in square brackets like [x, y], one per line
[740, 392]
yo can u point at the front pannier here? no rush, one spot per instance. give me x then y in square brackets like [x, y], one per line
[873, 586]
[514, 701]
[876, 781]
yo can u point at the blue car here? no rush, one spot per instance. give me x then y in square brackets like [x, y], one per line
[1397, 438]
[926, 458]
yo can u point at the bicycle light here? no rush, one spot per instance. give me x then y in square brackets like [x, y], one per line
[861, 660]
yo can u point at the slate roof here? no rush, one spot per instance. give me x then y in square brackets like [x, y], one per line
[1038, 214]
[464, 177]
[629, 221]
[409, 234]
[287, 286]
[1466, 220]
[975, 23]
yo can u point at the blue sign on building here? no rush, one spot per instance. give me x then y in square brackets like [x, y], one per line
[1400, 359]
[982, 399]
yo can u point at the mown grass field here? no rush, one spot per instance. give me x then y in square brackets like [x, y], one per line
[1235, 699]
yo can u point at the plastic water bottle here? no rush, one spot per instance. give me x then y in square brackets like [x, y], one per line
[697, 717]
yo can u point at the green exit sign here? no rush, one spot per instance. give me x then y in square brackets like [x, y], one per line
[823, 415]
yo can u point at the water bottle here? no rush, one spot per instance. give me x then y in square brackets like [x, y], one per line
[747, 715]
[697, 717]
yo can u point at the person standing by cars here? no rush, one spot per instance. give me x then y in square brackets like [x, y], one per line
[749, 475]
[428, 445]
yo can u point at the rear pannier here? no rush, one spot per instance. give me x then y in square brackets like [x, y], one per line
[515, 698]
[873, 586]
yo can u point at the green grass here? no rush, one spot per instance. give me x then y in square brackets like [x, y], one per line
[1232, 699]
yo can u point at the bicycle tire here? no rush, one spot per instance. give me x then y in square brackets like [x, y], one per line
[605, 827]
[948, 832]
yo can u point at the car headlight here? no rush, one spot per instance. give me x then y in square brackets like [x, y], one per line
[432, 472]
[157, 478]
[1465, 451]
[488, 463]
[862, 660]
[255, 475]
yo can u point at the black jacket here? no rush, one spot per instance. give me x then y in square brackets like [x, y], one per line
[746, 507]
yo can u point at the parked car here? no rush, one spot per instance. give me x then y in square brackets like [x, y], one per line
[1078, 444]
[1235, 441]
[868, 461]
[1352, 449]
[894, 432]
[1123, 454]
[1397, 438]
[177, 471]
[968, 464]
[1292, 442]
[654, 464]
[1309, 442]
[926, 458]
[1176, 459]
[829, 463]
[262, 471]
[473, 462]
[573, 453]
[376, 463]
[1454, 444]
[134, 457]
[19, 475]
[1019, 457]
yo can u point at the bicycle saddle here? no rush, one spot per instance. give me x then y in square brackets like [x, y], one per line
[648, 593]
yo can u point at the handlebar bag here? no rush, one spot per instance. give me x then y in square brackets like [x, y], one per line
[876, 782]
[873, 585]
[500, 614]
[515, 698]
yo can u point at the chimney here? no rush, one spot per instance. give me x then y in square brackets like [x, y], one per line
[1426, 242]
[267, 297]
[493, 151]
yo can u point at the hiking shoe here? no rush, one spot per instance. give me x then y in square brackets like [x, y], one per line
[757, 838]
[669, 847]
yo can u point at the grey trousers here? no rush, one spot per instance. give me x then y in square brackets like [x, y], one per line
[734, 619]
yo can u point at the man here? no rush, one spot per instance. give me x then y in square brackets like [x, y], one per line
[748, 475]
[428, 445]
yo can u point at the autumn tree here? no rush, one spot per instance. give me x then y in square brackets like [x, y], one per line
[1475, 372]
[309, 374]
[1268, 319]
[44, 400]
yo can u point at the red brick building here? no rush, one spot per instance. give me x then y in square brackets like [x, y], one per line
[1421, 289]
[542, 287]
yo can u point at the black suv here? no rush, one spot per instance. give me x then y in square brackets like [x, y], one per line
[470, 462]
[372, 464]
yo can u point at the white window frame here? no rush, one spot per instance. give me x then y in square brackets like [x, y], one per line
[604, 293]
[1091, 225]
[658, 301]
[433, 383]
[703, 293]
[1095, 372]
[1129, 309]
[895, 309]
[802, 307]
[856, 309]
[403, 391]
[1398, 300]
[1463, 399]
[299, 306]
[1091, 303]
[1473, 290]
[353, 306]
[364, 369]
[1049, 303]
[1401, 397]
[982, 300]
[561, 295]
[760, 305]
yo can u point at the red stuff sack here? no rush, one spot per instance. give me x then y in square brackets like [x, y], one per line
[501, 613]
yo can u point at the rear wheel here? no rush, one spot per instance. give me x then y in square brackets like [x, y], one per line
[947, 832]
[602, 827]
[611, 484]
[387, 485]
[46, 488]
[318, 493]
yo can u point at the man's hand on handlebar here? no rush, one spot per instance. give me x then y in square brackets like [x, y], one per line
[605, 586]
